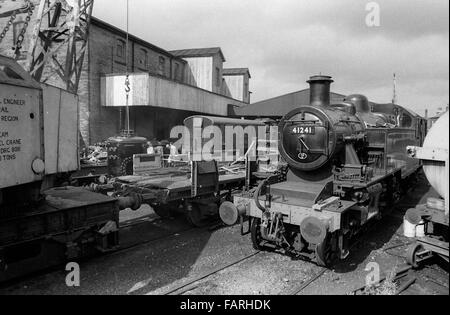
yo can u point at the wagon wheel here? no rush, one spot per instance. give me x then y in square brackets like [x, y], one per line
[165, 211]
[198, 215]
[256, 234]
[324, 253]
[411, 256]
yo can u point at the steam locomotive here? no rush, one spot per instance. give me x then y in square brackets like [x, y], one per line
[347, 165]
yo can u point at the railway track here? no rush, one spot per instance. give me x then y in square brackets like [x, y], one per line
[198, 281]
[213, 226]
[195, 283]
[122, 249]
[413, 282]
[405, 281]
[304, 285]
[192, 284]
[152, 240]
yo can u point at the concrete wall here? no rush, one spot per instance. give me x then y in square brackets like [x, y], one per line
[149, 90]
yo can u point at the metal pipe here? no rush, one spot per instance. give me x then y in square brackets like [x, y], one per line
[127, 82]
[257, 194]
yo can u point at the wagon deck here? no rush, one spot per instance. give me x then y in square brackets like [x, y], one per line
[173, 184]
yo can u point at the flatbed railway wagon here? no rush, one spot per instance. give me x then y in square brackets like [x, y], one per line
[198, 188]
[434, 214]
[347, 167]
[40, 225]
[194, 192]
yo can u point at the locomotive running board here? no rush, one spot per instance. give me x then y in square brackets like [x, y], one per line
[310, 194]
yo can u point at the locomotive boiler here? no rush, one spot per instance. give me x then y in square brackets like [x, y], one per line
[347, 166]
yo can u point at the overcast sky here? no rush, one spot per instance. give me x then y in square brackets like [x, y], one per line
[283, 42]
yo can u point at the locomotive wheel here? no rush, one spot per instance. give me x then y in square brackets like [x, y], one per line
[411, 256]
[324, 253]
[256, 234]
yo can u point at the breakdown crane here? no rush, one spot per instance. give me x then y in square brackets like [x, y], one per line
[56, 32]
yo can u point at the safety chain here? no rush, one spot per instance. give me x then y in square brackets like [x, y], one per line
[8, 25]
[21, 36]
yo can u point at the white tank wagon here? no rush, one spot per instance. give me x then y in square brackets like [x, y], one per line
[435, 157]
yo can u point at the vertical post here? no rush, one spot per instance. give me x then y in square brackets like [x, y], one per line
[127, 109]
[127, 80]
[446, 197]
[394, 97]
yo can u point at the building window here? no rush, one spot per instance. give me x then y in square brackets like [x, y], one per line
[218, 79]
[120, 49]
[143, 59]
[162, 65]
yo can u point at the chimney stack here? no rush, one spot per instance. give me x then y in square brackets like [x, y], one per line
[320, 90]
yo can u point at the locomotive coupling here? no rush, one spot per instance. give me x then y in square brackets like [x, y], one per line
[230, 214]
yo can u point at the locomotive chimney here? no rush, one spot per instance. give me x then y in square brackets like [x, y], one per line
[320, 90]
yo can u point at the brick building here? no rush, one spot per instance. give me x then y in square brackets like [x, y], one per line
[166, 87]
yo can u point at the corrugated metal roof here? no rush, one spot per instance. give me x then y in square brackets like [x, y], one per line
[236, 71]
[198, 52]
[281, 105]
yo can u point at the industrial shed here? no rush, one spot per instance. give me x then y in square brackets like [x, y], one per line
[279, 106]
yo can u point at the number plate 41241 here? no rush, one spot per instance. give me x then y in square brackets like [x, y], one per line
[304, 130]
